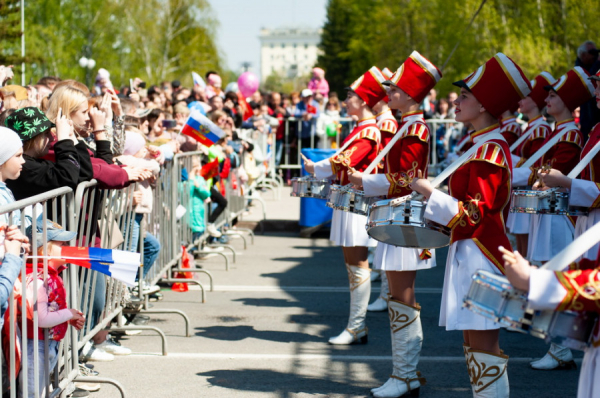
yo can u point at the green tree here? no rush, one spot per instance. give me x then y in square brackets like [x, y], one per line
[10, 32]
[152, 39]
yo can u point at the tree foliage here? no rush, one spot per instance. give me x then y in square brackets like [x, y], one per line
[537, 34]
[152, 39]
[10, 32]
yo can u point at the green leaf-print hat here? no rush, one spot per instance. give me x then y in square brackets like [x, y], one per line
[28, 122]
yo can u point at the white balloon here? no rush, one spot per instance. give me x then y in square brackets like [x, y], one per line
[83, 62]
[91, 63]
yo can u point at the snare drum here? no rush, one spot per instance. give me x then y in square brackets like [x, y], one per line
[405, 225]
[349, 199]
[300, 187]
[540, 202]
[309, 187]
[319, 189]
[493, 297]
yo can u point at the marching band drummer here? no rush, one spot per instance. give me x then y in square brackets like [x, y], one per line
[584, 192]
[574, 290]
[549, 234]
[537, 130]
[475, 209]
[348, 229]
[407, 89]
[388, 126]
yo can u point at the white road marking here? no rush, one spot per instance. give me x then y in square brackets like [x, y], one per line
[311, 357]
[303, 289]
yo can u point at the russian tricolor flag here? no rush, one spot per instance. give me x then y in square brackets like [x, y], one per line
[200, 128]
[118, 264]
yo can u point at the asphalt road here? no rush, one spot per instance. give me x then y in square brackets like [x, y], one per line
[263, 333]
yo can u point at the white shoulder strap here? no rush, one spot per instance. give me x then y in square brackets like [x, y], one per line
[540, 152]
[575, 250]
[521, 139]
[387, 148]
[463, 158]
[585, 161]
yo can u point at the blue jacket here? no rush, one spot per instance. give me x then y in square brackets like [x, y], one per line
[9, 272]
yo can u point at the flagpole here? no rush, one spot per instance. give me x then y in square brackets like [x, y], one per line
[23, 42]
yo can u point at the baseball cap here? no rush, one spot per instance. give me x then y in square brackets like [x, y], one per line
[54, 232]
[307, 92]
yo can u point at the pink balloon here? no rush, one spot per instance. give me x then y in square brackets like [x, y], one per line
[248, 83]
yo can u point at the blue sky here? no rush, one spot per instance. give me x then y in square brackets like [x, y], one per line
[240, 23]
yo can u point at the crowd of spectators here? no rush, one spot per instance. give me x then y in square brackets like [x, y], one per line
[59, 133]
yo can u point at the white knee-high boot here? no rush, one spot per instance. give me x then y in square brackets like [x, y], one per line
[488, 373]
[407, 338]
[381, 303]
[360, 290]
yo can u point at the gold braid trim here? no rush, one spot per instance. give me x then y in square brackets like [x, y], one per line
[478, 372]
[355, 281]
[407, 380]
[589, 290]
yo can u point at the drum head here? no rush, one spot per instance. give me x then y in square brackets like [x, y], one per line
[409, 236]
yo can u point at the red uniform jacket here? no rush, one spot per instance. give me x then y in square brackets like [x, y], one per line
[408, 155]
[510, 130]
[360, 153]
[563, 156]
[388, 125]
[538, 131]
[592, 171]
[483, 188]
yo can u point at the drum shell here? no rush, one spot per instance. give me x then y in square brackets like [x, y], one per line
[567, 328]
[555, 203]
[405, 225]
[493, 297]
[300, 187]
[319, 189]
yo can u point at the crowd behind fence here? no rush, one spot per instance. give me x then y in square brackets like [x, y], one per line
[445, 134]
[103, 218]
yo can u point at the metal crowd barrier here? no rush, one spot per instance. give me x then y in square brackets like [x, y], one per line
[105, 218]
[292, 146]
[58, 203]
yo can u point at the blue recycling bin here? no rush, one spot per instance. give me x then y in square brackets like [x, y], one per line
[313, 211]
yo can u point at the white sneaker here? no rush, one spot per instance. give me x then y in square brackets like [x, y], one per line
[91, 387]
[212, 249]
[213, 231]
[112, 347]
[378, 305]
[97, 354]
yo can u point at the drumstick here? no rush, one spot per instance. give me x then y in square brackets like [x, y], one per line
[305, 158]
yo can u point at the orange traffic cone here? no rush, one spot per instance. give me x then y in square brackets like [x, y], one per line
[185, 263]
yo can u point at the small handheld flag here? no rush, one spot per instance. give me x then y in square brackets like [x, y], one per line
[198, 80]
[209, 170]
[200, 128]
[118, 264]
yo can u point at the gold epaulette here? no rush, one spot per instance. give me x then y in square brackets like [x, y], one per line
[389, 126]
[491, 152]
[419, 130]
[573, 137]
[371, 133]
[512, 127]
[539, 132]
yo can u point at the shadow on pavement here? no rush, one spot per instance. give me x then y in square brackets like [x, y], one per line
[264, 380]
[241, 332]
[269, 302]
